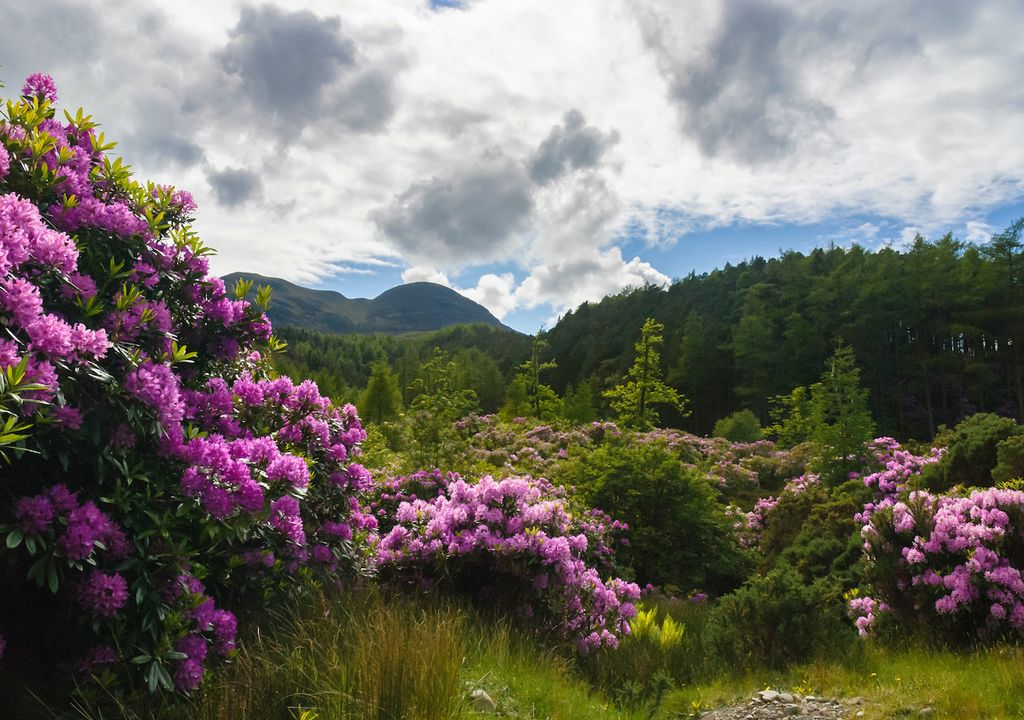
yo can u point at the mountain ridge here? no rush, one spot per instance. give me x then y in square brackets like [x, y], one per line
[408, 308]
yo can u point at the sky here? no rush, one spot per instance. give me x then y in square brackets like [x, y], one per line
[535, 155]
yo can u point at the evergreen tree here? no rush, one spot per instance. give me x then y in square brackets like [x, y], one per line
[842, 422]
[578, 403]
[382, 399]
[635, 400]
[542, 401]
[477, 371]
[436, 406]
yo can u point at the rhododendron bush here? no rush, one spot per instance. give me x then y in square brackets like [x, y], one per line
[515, 541]
[158, 474]
[951, 562]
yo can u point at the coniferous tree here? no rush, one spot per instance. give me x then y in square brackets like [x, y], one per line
[382, 399]
[840, 418]
[636, 400]
[542, 401]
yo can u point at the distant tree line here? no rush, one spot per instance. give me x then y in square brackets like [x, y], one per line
[935, 330]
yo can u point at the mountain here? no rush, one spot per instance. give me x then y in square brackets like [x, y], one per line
[414, 307]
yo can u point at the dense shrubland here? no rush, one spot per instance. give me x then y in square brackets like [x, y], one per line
[188, 532]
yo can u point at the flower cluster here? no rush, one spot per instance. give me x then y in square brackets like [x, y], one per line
[951, 560]
[756, 519]
[516, 540]
[152, 444]
[897, 467]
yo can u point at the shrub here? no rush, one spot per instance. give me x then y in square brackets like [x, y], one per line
[776, 620]
[517, 542]
[160, 473]
[1009, 459]
[951, 562]
[679, 533]
[971, 451]
[741, 426]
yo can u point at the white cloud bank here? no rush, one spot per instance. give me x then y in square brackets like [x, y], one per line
[321, 134]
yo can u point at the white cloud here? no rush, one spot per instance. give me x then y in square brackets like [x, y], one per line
[425, 273]
[494, 292]
[564, 284]
[530, 133]
[978, 232]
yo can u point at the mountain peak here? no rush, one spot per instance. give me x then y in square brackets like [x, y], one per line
[413, 307]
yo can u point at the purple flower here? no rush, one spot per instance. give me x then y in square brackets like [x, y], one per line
[189, 673]
[67, 416]
[95, 658]
[40, 86]
[225, 626]
[289, 468]
[103, 595]
[34, 514]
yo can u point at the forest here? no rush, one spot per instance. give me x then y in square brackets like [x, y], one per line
[936, 331]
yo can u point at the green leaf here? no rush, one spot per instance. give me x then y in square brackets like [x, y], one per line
[51, 577]
[14, 539]
[140, 659]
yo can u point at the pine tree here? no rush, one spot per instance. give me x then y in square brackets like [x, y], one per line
[382, 399]
[541, 400]
[841, 423]
[636, 399]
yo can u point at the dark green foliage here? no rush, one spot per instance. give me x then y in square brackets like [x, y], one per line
[1009, 459]
[637, 400]
[529, 395]
[777, 620]
[740, 426]
[413, 307]
[578, 403]
[815, 533]
[938, 331]
[679, 534]
[841, 421]
[341, 364]
[436, 405]
[972, 449]
[382, 400]
[477, 371]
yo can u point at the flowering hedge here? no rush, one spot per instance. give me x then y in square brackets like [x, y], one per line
[159, 472]
[516, 541]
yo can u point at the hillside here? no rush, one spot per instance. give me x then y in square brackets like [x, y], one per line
[414, 307]
[936, 330]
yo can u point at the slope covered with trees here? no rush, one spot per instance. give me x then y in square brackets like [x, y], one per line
[936, 331]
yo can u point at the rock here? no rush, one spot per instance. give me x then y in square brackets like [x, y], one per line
[859, 713]
[482, 702]
[926, 712]
[810, 698]
[855, 701]
[769, 695]
[794, 710]
[785, 697]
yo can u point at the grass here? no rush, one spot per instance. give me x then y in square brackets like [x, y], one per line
[531, 682]
[361, 656]
[357, 657]
[896, 683]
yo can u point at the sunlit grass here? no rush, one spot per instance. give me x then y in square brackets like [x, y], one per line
[986, 683]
